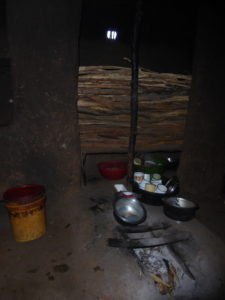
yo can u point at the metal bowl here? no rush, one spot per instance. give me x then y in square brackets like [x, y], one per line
[180, 202]
[179, 208]
[129, 211]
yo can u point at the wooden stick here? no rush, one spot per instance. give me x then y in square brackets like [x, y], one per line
[104, 109]
[134, 87]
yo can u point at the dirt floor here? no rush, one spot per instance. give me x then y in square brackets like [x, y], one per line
[73, 261]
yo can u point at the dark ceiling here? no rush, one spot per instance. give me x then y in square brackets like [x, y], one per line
[165, 25]
[169, 21]
[166, 38]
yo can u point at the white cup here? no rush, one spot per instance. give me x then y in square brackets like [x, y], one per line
[156, 182]
[147, 177]
[156, 176]
[138, 176]
[142, 184]
[161, 189]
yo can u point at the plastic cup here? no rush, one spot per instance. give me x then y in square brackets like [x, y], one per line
[138, 176]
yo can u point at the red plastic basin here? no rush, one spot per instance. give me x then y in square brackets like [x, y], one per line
[112, 169]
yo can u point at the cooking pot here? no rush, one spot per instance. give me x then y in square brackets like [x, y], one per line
[179, 208]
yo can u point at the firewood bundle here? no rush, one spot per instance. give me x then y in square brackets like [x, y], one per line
[104, 109]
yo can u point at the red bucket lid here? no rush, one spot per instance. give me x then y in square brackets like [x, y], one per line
[25, 193]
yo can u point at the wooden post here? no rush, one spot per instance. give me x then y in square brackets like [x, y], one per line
[134, 87]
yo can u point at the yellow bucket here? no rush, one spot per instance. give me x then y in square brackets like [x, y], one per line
[26, 209]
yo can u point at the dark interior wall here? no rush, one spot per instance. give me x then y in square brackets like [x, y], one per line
[3, 33]
[202, 164]
[41, 145]
[6, 106]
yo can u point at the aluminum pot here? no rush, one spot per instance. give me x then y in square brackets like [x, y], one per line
[179, 208]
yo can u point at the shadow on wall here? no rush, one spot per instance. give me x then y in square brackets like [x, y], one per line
[40, 168]
[6, 94]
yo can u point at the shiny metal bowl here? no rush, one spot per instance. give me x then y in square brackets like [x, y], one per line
[129, 211]
[179, 208]
[180, 202]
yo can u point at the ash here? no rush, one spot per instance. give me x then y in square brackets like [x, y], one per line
[152, 260]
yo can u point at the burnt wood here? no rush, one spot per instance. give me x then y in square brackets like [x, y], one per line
[149, 242]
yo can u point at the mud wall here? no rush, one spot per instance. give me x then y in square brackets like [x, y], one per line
[41, 144]
[202, 166]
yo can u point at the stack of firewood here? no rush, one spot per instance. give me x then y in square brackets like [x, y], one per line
[104, 109]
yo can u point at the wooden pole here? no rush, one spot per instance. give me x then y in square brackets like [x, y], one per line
[134, 87]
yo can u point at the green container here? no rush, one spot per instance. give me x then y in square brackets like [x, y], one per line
[157, 166]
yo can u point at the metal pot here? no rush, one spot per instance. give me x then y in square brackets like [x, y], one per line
[179, 208]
